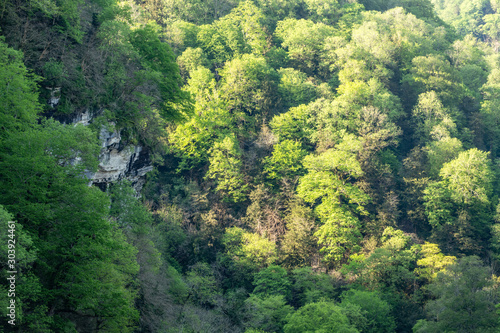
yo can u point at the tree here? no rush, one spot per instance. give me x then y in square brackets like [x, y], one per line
[190, 60]
[376, 311]
[432, 261]
[30, 311]
[18, 95]
[458, 206]
[310, 287]
[158, 60]
[431, 119]
[267, 313]
[389, 270]
[211, 122]
[388, 267]
[319, 317]
[468, 177]
[196, 11]
[440, 152]
[465, 299]
[202, 286]
[249, 249]
[233, 35]
[490, 110]
[328, 179]
[434, 72]
[247, 86]
[303, 39]
[285, 161]
[422, 9]
[272, 281]
[299, 244]
[225, 168]
[294, 88]
[84, 264]
[293, 125]
[326, 11]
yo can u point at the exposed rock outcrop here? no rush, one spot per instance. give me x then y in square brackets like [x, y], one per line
[117, 160]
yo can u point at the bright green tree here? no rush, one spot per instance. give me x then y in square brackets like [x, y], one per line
[18, 95]
[459, 204]
[341, 202]
[249, 249]
[285, 161]
[304, 39]
[319, 317]
[432, 261]
[225, 168]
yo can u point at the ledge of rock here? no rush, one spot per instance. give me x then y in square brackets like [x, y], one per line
[117, 160]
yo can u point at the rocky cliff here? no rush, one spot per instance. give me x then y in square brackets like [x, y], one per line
[118, 159]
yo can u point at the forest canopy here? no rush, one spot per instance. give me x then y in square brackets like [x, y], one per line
[318, 165]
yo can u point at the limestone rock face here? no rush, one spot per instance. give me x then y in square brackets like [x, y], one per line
[117, 160]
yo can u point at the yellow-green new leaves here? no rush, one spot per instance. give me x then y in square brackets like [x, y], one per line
[319, 317]
[235, 34]
[328, 181]
[458, 207]
[432, 120]
[442, 151]
[340, 235]
[225, 168]
[490, 111]
[249, 19]
[294, 87]
[193, 139]
[286, 160]
[190, 60]
[304, 41]
[433, 261]
[334, 160]
[434, 72]
[247, 84]
[293, 125]
[248, 248]
[468, 177]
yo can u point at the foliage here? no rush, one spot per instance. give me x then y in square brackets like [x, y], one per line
[376, 311]
[472, 310]
[305, 152]
[18, 95]
[268, 313]
[285, 161]
[319, 317]
[225, 167]
[248, 248]
[433, 261]
[328, 180]
[272, 281]
[310, 287]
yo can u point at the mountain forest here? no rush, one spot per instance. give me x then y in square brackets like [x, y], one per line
[284, 166]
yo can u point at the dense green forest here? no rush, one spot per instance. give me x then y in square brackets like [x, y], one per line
[319, 166]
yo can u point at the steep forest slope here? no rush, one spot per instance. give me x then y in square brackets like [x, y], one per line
[319, 165]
